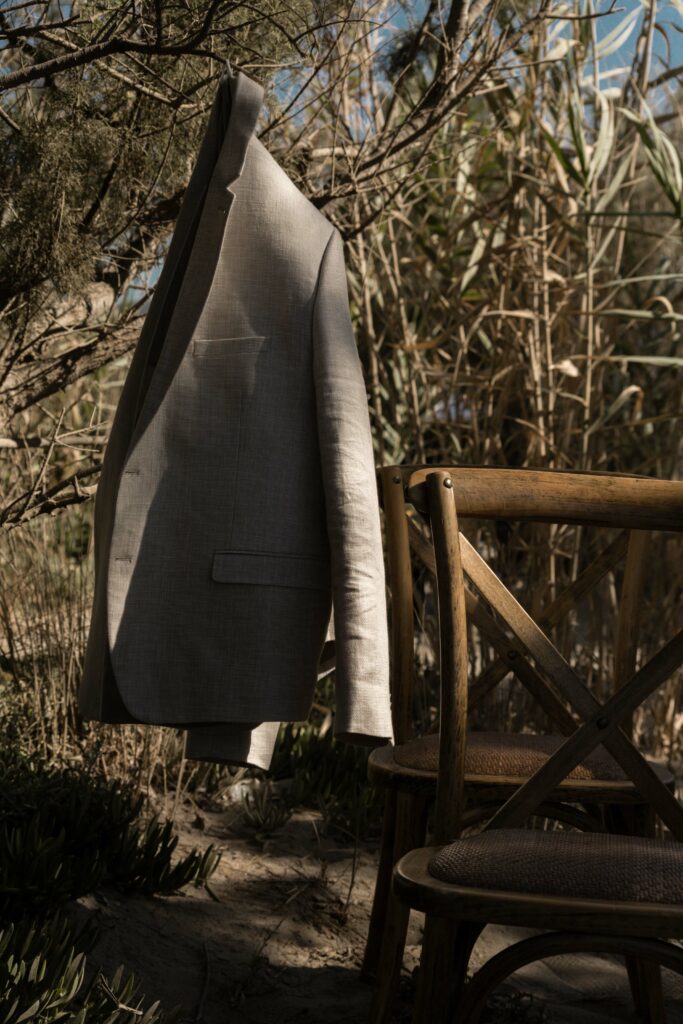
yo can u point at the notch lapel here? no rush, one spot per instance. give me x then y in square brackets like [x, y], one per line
[219, 164]
[245, 98]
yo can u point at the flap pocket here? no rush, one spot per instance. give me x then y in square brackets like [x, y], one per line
[229, 346]
[274, 570]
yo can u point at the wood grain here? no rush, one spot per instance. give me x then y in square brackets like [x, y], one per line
[599, 499]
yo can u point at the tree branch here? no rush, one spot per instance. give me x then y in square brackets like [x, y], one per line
[96, 51]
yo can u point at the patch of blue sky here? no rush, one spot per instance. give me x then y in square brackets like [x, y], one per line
[668, 42]
[619, 33]
[668, 38]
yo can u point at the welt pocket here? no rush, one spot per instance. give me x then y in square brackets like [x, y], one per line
[235, 345]
[271, 569]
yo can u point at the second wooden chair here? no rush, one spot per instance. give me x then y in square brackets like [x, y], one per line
[587, 892]
[495, 763]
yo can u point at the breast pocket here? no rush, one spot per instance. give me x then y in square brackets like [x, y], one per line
[244, 344]
[230, 368]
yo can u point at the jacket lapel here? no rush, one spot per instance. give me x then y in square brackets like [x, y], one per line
[220, 162]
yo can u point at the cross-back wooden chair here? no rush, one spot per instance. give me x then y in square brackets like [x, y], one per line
[495, 763]
[590, 891]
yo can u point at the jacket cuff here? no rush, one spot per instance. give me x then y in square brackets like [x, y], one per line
[370, 730]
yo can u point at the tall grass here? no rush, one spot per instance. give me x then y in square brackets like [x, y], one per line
[519, 305]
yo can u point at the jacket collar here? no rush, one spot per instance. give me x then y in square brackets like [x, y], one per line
[243, 97]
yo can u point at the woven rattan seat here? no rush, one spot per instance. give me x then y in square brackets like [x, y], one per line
[580, 864]
[514, 755]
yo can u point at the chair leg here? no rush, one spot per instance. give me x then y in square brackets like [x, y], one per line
[644, 977]
[650, 994]
[411, 823]
[380, 901]
[646, 988]
[640, 820]
[446, 949]
[634, 982]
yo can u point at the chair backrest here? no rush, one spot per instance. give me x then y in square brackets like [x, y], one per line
[434, 497]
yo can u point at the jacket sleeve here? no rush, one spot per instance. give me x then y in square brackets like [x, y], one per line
[363, 705]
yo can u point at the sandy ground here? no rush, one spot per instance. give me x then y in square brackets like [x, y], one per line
[283, 939]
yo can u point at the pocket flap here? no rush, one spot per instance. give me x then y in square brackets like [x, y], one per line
[274, 570]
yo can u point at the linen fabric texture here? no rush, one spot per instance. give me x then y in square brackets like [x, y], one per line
[237, 518]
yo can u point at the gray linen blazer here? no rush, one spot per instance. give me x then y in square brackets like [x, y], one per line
[237, 505]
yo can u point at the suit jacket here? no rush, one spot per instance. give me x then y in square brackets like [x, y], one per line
[237, 503]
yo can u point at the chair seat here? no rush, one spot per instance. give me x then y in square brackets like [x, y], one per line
[508, 755]
[585, 865]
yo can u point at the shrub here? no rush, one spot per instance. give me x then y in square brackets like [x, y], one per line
[62, 834]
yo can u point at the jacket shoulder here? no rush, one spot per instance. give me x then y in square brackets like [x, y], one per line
[289, 195]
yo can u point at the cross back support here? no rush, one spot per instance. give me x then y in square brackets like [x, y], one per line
[509, 651]
[592, 498]
[405, 534]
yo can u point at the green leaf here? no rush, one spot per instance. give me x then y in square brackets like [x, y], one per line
[616, 38]
[642, 314]
[653, 360]
[605, 139]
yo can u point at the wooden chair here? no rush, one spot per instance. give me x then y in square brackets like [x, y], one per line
[591, 891]
[495, 764]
